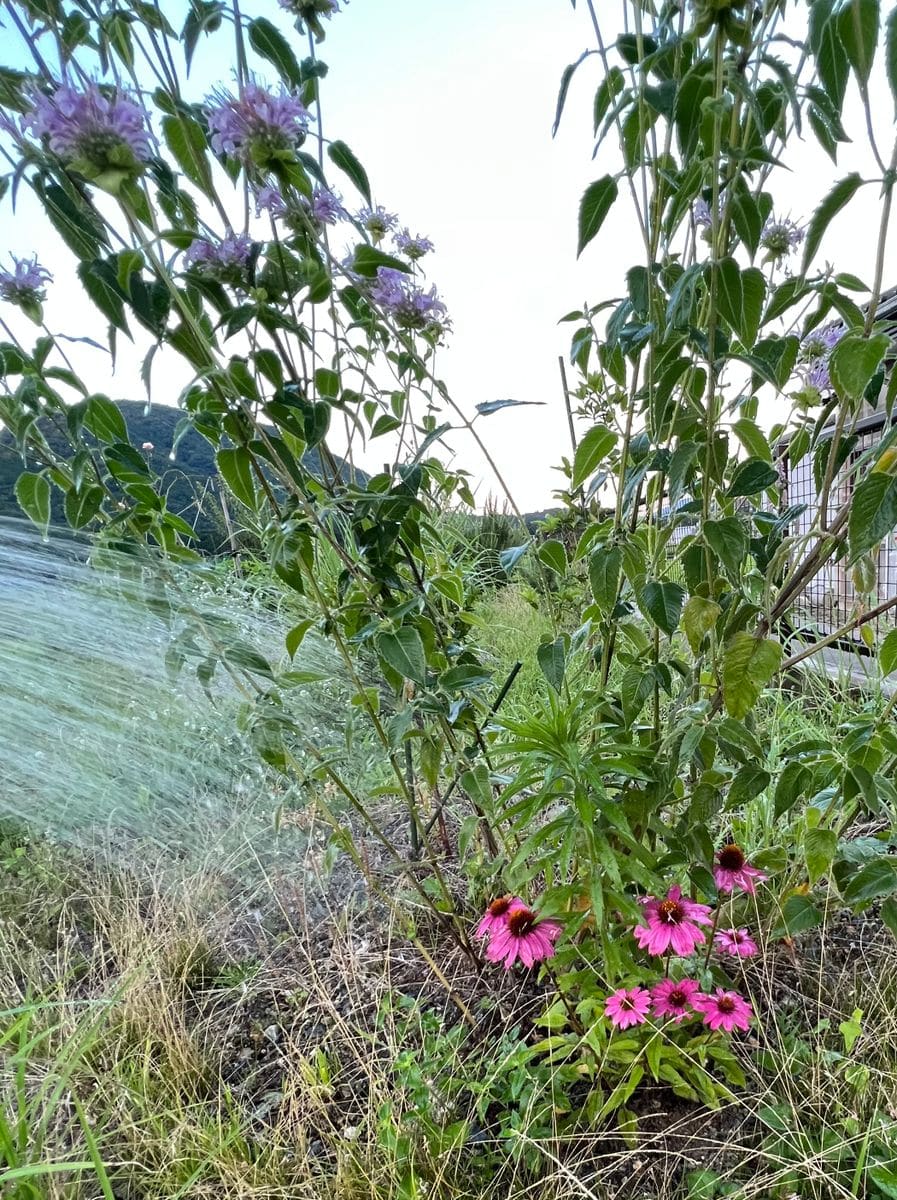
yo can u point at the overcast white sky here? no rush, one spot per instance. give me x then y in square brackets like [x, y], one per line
[449, 103]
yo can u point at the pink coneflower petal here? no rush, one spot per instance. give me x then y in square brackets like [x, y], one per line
[724, 1010]
[732, 870]
[673, 998]
[523, 936]
[737, 942]
[495, 918]
[627, 1006]
[672, 924]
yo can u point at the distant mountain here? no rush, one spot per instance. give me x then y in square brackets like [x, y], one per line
[190, 483]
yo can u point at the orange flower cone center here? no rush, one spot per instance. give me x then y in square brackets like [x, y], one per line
[670, 912]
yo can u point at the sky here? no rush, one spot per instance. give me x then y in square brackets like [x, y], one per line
[449, 104]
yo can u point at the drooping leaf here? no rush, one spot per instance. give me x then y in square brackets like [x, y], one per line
[728, 540]
[187, 142]
[511, 557]
[873, 513]
[235, 466]
[819, 852]
[854, 362]
[662, 601]
[748, 665]
[858, 28]
[404, 652]
[341, 156]
[486, 407]
[566, 77]
[33, 495]
[604, 575]
[698, 617]
[596, 203]
[887, 654]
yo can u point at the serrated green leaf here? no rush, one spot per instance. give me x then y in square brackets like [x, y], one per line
[296, 635]
[798, 915]
[874, 879]
[728, 541]
[187, 142]
[752, 438]
[888, 914]
[751, 477]
[748, 665]
[596, 203]
[858, 29]
[604, 576]
[554, 555]
[854, 362]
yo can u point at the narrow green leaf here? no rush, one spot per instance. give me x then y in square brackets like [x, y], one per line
[267, 41]
[341, 156]
[596, 203]
[858, 28]
[566, 77]
[842, 193]
[187, 142]
[891, 55]
[296, 635]
[748, 665]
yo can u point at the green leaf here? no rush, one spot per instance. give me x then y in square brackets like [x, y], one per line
[740, 297]
[698, 618]
[596, 203]
[341, 156]
[567, 75]
[748, 665]
[752, 438]
[404, 652]
[888, 914]
[368, 259]
[33, 495]
[83, 505]
[296, 635]
[593, 448]
[891, 54]
[604, 576]
[842, 193]
[793, 782]
[104, 419]
[327, 383]
[858, 28]
[854, 362]
[76, 224]
[798, 915]
[235, 466]
[885, 1181]
[267, 41]
[554, 555]
[751, 477]
[661, 601]
[511, 557]
[876, 878]
[873, 513]
[819, 852]
[728, 541]
[100, 281]
[552, 659]
[747, 784]
[887, 654]
[187, 142]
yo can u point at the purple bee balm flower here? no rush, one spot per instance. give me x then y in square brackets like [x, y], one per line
[781, 237]
[259, 127]
[268, 199]
[816, 375]
[103, 139]
[700, 211]
[308, 10]
[25, 283]
[326, 206]
[413, 247]
[226, 261]
[821, 342]
[377, 221]
[407, 302]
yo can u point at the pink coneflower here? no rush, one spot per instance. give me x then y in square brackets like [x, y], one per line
[627, 1006]
[672, 924]
[495, 917]
[524, 936]
[733, 870]
[673, 998]
[724, 1010]
[736, 941]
